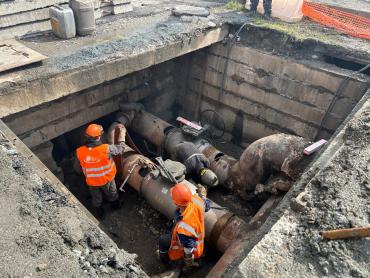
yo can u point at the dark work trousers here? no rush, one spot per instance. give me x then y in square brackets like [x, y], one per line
[164, 247]
[266, 5]
[109, 191]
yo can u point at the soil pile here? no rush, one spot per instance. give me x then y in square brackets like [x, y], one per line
[45, 235]
[337, 197]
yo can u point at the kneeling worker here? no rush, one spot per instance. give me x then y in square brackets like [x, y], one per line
[99, 168]
[187, 240]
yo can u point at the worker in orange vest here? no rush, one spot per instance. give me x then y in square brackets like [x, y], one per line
[186, 243]
[99, 168]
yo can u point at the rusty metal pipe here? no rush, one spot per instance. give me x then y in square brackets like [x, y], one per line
[151, 128]
[161, 133]
[222, 227]
[272, 154]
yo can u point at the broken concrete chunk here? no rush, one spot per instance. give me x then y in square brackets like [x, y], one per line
[297, 205]
[41, 267]
[190, 10]
[211, 24]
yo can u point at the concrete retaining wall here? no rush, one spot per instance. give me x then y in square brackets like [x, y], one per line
[154, 86]
[269, 93]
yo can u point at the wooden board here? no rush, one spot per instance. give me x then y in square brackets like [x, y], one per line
[13, 54]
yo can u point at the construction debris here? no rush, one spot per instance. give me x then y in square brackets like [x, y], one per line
[346, 233]
[190, 10]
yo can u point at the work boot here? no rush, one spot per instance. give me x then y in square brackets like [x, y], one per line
[267, 16]
[100, 213]
[117, 204]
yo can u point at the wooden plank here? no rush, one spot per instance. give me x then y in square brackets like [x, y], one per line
[14, 54]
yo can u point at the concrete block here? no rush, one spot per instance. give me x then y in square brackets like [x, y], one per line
[23, 29]
[309, 72]
[133, 87]
[297, 90]
[61, 126]
[113, 9]
[69, 81]
[24, 17]
[275, 101]
[253, 128]
[18, 6]
[122, 8]
[260, 111]
[63, 107]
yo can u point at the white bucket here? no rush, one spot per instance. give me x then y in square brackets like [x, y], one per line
[286, 10]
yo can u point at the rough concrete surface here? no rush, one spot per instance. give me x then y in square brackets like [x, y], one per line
[45, 235]
[337, 197]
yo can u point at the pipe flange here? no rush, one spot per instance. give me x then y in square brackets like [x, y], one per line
[218, 228]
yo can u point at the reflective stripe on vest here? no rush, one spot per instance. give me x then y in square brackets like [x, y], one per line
[187, 227]
[97, 165]
[86, 170]
[102, 174]
[199, 202]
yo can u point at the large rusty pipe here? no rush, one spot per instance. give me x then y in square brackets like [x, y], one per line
[151, 128]
[161, 133]
[222, 227]
[272, 154]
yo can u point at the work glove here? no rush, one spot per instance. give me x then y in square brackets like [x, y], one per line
[201, 190]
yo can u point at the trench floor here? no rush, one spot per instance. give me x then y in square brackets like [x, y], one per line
[135, 227]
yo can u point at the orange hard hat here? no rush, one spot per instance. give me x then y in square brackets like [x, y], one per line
[181, 194]
[94, 130]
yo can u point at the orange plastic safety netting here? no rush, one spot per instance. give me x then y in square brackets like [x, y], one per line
[345, 22]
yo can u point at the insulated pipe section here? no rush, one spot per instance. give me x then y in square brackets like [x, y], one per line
[222, 227]
[220, 163]
[151, 128]
[161, 133]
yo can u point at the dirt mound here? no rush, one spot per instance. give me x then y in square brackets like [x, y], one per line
[338, 196]
[43, 234]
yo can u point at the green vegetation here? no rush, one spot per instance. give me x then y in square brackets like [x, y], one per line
[299, 30]
[234, 5]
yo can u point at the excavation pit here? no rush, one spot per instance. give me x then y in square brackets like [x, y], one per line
[266, 83]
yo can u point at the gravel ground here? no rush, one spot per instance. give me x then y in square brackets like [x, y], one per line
[44, 235]
[337, 197]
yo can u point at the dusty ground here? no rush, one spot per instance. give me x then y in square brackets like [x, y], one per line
[337, 197]
[44, 235]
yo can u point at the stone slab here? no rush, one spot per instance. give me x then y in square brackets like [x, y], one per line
[17, 6]
[14, 54]
[24, 17]
[190, 10]
[23, 29]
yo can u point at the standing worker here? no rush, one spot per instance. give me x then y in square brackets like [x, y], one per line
[99, 168]
[266, 6]
[186, 243]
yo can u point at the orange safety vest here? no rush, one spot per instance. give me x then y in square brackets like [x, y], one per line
[191, 224]
[97, 164]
